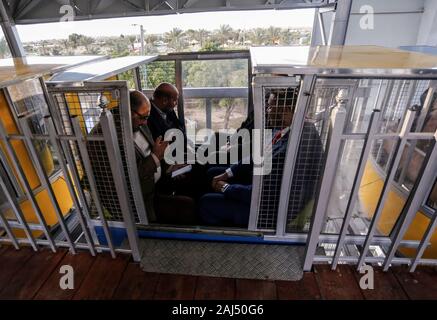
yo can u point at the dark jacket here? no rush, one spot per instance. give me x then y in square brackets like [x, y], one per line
[158, 126]
[146, 171]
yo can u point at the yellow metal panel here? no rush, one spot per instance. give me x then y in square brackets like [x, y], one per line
[369, 195]
[19, 147]
[65, 203]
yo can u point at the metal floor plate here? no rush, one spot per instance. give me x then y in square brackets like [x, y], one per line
[219, 259]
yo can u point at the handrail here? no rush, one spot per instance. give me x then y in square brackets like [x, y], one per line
[211, 92]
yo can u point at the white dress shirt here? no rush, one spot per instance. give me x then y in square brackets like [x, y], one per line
[143, 146]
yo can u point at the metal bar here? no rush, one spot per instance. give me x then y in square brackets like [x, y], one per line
[10, 32]
[137, 79]
[373, 128]
[208, 113]
[419, 125]
[408, 122]
[292, 150]
[45, 181]
[322, 27]
[113, 150]
[18, 225]
[65, 145]
[179, 86]
[215, 55]
[424, 242]
[256, 179]
[76, 180]
[58, 150]
[351, 259]
[414, 202]
[384, 104]
[90, 175]
[211, 92]
[8, 229]
[52, 107]
[340, 22]
[125, 113]
[28, 190]
[332, 238]
[16, 209]
[338, 121]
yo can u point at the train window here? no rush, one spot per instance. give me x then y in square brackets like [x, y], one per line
[152, 74]
[129, 77]
[29, 102]
[215, 94]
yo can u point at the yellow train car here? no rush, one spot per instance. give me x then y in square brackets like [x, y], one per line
[23, 98]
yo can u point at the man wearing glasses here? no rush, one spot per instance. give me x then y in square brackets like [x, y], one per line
[160, 207]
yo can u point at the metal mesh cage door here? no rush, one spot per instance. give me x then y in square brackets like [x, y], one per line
[274, 107]
[85, 103]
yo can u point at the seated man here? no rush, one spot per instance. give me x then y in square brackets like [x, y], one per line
[162, 119]
[230, 204]
[149, 152]
[162, 115]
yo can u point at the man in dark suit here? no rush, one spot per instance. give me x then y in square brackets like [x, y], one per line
[149, 154]
[175, 209]
[163, 118]
[230, 204]
[162, 114]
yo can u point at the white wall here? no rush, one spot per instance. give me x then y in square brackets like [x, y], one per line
[396, 22]
[427, 34]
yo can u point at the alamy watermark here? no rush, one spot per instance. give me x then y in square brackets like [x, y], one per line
[66, 282]
[367, 280]
[245, 146]
[367, 21]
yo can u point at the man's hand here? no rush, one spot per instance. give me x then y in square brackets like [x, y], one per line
[159, 148]
[220, 178]
[217, 187]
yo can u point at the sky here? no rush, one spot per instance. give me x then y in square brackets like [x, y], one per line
[161, 24]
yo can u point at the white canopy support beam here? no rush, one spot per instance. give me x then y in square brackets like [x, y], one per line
[10, 32]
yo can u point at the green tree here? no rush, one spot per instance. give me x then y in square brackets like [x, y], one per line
[175, 39]
[74, 40]
[86, 42]
[159, 71]
[210, 46]
[201, 35]
[257, 36]
[4, 49]
[273, 35]
[224, 33]
[219, 73]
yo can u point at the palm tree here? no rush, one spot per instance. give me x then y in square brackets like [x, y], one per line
[224, 33]
[175, 39]
[257, 36]
[201, 35]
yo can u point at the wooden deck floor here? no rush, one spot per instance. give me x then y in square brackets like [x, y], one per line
[28, 275]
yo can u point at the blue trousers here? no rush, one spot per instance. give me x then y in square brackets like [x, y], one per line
[215, 209]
